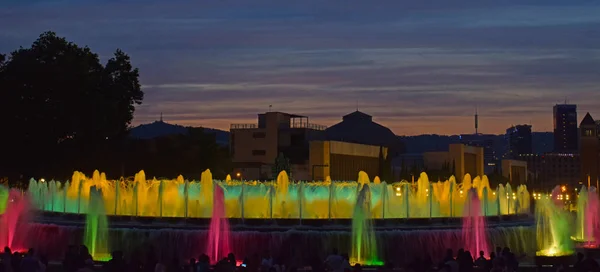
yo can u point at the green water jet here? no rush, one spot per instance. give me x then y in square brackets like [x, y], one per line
[96, 227]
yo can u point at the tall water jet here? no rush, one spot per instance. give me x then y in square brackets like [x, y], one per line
[473, 232]
[582, 199]
[588, 218]
[96, 226]
[552, 223]
[364, 244]
[15, 220]
[218, 234]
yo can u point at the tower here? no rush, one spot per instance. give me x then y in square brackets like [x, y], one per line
[565, 129]
[589, 148]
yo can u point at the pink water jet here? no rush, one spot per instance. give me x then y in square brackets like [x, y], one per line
[15, 220]
[473, 231]
[592, 222]
[218, 233]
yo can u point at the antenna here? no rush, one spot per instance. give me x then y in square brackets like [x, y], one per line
[161, 119]
[356, 105]
[270, 107]
[476, 120]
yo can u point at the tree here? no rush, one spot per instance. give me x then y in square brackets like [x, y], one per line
[281, 164]
[57, 91]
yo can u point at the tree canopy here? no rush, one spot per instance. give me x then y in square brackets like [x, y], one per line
[57, 91]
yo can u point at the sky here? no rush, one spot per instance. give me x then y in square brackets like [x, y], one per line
[416, 66]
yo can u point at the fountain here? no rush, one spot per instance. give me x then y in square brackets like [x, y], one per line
[588, 218]
[318, 206]
[473, 231]
[96, 227]
[15, 220]
[553, 230]
[218, 233]
[280, 198]
[364, 244]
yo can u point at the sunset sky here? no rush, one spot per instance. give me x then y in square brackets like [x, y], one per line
[417, 66]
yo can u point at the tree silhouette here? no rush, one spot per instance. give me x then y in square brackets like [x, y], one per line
[281, 164]
[56, 91]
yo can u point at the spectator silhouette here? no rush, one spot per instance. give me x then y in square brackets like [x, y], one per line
[481, 262]
[466, 262]
[7, 260]
[203, 263]
[30, 263]
[589, 264]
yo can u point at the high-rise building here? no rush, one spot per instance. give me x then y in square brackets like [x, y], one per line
[589, 149]
[565, 129]
[518, 141]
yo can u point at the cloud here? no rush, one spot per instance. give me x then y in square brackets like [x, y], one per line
[416, 66]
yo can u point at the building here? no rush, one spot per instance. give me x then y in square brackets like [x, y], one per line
[515, 171]
[343, 161]
[464, 159]
[565, 129]
[486, 141]
[358, 127]
[254, 147]
[589, 149]
[518, 141]
[550, 169]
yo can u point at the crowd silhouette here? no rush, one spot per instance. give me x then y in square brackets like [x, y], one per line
[78, 259]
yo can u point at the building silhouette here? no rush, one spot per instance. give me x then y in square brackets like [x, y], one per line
[313, 151]
[589, 149]
[565, 128]
[254, 147]
[518, 141]
[358, 127]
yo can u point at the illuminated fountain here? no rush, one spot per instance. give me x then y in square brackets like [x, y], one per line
[15, 220]
[364, 243]
[241, 201]
[553, 230]
[218, 233]
[275, 199]
[473, 232]
[588, 218]
[96, 227]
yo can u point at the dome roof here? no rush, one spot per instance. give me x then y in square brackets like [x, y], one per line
[358, 127]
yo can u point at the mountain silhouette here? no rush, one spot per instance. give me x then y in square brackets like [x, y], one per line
[160, 128]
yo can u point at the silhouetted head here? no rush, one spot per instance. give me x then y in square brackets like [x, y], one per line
[193, 261]
[468, 254]
[7, 250]
[498, 249]
[31, 252]
[492, 255]
[481, 254]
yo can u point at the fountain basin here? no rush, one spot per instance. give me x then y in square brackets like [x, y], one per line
[565, 260]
